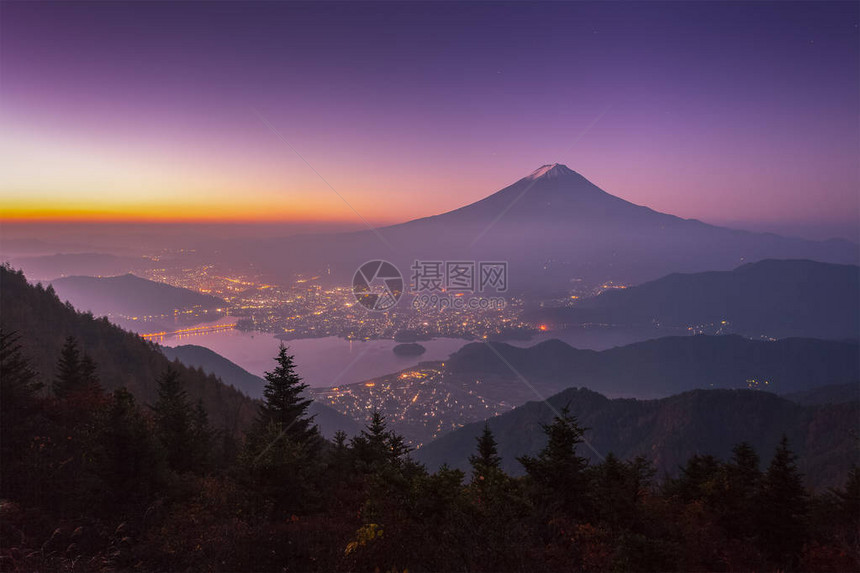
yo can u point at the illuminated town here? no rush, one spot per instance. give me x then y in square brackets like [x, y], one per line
[307, 308]
[424, 402]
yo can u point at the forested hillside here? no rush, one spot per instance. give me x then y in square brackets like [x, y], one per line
[122, 359]
[670, 430]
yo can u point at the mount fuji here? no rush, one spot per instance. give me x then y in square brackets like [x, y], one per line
[552, 227]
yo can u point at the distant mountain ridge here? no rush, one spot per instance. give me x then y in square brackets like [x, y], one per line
[669, 430]
[665, 366]
[551, 226]
[48, 267]
[830, 394]
[483, 379]
[129, 295]
[774, 298]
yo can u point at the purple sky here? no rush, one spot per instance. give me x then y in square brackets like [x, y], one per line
[728, 112]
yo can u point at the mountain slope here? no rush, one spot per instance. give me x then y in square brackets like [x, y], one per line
[664, 366]
[669, 430]
[480, 381]
[328, 419]
[551, 226]
[122, 358]
[775, 298]
[47, 267]
[128, 295]
[213, 363]
[830, 394]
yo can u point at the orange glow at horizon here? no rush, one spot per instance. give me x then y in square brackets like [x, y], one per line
[48, 177]
[169, 214]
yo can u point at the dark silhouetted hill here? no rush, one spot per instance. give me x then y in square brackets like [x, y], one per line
[830, 394]
[664, 366]
[481, 380]
[773, 298]
[130, 296]
[47, 267]
[669, 430]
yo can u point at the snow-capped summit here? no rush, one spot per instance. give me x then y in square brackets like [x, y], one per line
[549, 171]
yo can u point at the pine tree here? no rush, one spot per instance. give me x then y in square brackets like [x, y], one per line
[340, 456]
[18, 385]
[610, 490]
[202, 437]
[700, 479]
[486, 462]
[19, 401]
[369, 444]
[339, 440]
[784, 506]
[396, 447]
[376, 430]
[846, 514]
[742, 482]
[70, 375]
[498, 508]
[173, 420]
[376, 446]
[283, 403]
[281, 450]
[89, 375]
[558, 473]
[132, 463]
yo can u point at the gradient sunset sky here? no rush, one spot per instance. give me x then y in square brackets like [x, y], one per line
[728, 112]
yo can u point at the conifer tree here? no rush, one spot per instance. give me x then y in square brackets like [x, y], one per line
[699, 480]
[18, 402]
[376, 446]
[281, 450]
[558, 473]
[89, 375]
[339, 440]
[70, 375]
[283, 402]
[742, 482]
[202, 437]
[173, 420]
[485, 462]
[132, 462]
[18, 385]
[784, 506]
[846, 508]
[340, 455]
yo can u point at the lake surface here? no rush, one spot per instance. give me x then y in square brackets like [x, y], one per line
[331, 361]
[321, 362]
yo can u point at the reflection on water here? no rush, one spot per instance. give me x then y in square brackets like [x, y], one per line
[320, 361]
[331, 360]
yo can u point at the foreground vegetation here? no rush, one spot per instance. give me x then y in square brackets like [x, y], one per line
[93, 480]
